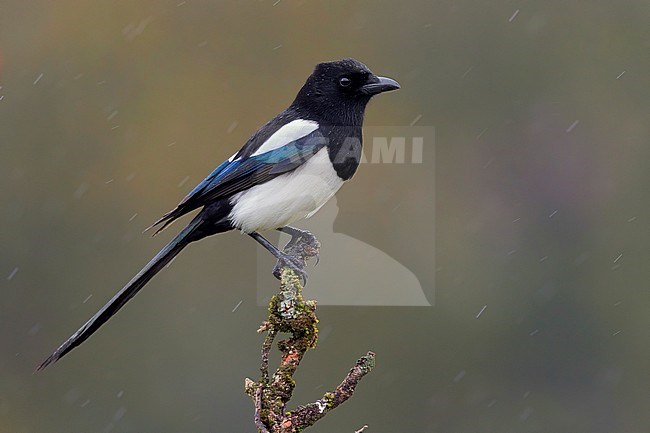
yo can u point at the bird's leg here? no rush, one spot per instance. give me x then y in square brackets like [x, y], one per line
[284, 259]
[302, 243]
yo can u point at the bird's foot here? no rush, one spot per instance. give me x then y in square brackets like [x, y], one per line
[302, 243]
[302, 246]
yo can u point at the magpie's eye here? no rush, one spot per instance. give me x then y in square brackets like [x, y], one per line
[345, 82]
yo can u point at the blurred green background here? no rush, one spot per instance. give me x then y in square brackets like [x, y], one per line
[111, 111]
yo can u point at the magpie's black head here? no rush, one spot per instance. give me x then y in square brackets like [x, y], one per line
[339, 91]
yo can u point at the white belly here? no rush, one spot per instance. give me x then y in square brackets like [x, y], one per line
[287, 198]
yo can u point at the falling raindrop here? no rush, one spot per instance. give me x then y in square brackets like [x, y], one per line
[182, 182]
[416, 120]
[237, 306]
[80, 191]
[513, 16]
[573, 125]
[12, 274]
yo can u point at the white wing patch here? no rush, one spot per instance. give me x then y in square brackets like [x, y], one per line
[292, 131]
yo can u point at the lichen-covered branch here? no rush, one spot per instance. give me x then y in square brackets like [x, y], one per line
[306, 416]
[289, 313]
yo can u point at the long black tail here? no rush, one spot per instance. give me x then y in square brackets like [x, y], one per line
[122, 297]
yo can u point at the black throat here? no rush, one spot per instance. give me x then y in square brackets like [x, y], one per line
[341, 123]
[344, 148]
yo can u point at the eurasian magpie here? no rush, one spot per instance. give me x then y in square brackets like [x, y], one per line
[285, 172]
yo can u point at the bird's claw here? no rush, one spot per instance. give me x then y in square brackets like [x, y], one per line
[302, 246]
[310, 245]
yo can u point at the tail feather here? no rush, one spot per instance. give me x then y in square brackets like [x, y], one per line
[123, 296]
[167, 219]
[167, 222]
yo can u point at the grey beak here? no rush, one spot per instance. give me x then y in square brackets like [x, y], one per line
[379, 85]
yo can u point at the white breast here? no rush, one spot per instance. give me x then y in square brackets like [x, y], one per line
[287, 198]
